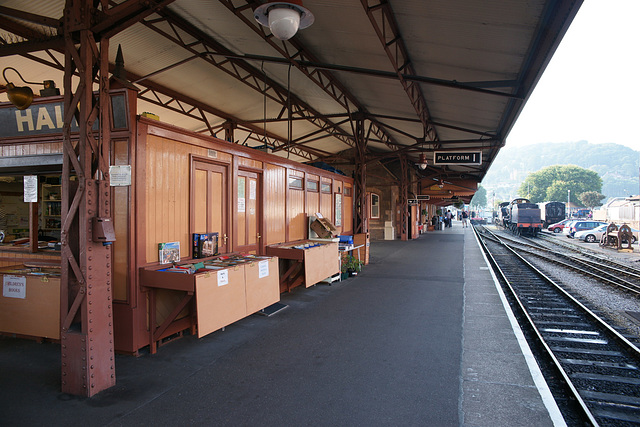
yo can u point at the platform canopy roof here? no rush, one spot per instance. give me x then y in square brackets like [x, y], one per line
[417, 76]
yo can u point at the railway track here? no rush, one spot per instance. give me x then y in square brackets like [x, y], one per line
[600, 268]
[599, 369]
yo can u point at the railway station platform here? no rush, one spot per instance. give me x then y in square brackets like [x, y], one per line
[420, 338]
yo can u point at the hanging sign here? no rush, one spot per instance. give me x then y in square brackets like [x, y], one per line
[457, 158]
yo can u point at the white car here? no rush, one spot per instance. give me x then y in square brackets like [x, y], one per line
[595, 234]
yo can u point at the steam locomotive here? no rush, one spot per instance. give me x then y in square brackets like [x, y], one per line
[523, 217]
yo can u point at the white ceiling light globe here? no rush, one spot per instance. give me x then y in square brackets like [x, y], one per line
[284, 22]
[284, 18]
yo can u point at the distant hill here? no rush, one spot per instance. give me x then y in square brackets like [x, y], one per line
[616, 164]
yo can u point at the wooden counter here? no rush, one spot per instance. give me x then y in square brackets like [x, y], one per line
[30, 302]
[228, 291]
[309, 262]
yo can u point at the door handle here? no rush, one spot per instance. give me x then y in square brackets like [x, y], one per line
[224, 238]
[258, 236]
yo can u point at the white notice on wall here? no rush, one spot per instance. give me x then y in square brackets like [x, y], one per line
[14, 286]
[120, 175]
[252, 189]
[241, 204]
[223, 277]
[30, 189]
[263, 269]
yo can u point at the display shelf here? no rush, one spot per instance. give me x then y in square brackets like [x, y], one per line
[307, 262]
[218, 291]
[51, 207]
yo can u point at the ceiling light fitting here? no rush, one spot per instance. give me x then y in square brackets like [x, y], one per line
[284, 18]
[423, 161]
[22, 96]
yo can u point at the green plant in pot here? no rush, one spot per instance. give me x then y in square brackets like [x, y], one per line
[351, 265]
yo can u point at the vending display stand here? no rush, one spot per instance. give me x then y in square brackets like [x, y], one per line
[218, 292]
[308, 262]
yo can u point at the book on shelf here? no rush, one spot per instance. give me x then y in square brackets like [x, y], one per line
[205, 245]
[169, 252]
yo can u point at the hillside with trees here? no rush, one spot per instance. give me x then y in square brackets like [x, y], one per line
[615, 164]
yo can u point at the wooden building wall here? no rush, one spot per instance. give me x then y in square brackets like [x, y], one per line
[158, 207]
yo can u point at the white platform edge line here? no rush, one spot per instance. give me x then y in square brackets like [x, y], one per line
[534, 369]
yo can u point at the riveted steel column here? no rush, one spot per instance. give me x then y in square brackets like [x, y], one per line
[404, 198]
[360, 224]
[85, 302]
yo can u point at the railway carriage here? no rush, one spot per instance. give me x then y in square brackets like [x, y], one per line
[551, 212]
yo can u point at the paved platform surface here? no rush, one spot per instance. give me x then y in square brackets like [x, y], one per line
[419, 338]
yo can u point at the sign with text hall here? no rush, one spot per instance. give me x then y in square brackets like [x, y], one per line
[457, 158]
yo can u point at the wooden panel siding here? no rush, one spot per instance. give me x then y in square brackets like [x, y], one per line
[120, 214]
[274, 209]
[167, 195]
[297, 215]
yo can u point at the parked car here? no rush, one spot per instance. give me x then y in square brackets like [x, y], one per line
[595, 234]
[558, 226]
[567, 226]
[577, 226]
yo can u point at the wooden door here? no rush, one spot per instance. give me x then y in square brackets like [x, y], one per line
[249, 213]
[210, 202]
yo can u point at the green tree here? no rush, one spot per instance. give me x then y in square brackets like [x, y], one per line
[480, 197]
[591, 199]
[554, 183]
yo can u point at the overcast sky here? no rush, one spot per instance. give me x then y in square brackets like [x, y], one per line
[590, 89]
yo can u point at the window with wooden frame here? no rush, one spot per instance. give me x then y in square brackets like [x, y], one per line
[375, 206]
[296, 182]
[325, 187]
[347, 191]
[313, 185]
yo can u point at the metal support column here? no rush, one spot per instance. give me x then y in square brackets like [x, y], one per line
[87, 348]
[360, 224]
[404, 198]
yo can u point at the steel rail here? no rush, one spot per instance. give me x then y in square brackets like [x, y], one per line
[601, 397]
[531, 324]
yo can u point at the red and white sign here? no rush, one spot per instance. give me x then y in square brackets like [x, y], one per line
[14, 286]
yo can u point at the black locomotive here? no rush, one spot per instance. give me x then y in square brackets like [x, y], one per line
[523, 217]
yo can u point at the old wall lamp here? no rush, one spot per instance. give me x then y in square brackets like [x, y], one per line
[423, 161]
[284, 18]
[22, 96]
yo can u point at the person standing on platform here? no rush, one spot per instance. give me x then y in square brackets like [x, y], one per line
[464, 219]
[449, 218]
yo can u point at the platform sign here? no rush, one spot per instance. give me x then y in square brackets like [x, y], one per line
[457, 158]
[423, 197]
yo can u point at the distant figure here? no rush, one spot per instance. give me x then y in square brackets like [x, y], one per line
[464, 219]
[449, 217]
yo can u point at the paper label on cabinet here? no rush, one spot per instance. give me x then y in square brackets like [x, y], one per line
[263, 269]
[14, 286]
[223, 277]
